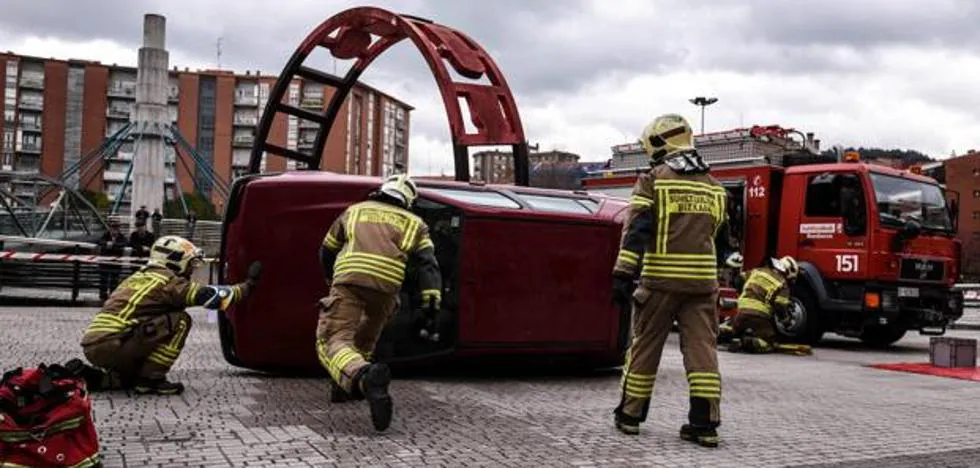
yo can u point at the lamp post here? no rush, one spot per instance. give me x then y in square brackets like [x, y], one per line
[703, 102]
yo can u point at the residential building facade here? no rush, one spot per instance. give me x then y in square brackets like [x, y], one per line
[497, 167]
[55, 111]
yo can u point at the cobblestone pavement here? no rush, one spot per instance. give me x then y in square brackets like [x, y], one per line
[819, 411]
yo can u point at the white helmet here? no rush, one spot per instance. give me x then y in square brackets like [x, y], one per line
[787, 266]
[176, 253]
[401, 187]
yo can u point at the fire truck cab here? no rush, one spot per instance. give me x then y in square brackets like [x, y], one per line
[875, 244]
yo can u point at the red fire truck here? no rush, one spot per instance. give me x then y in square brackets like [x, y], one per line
[876, 245]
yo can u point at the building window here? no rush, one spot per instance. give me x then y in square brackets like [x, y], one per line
[976, 194]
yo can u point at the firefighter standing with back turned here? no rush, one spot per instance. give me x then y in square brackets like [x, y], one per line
[140, 331]
[676, 234]
[364, 255]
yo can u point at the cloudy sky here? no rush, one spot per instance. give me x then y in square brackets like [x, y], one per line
[591, 74]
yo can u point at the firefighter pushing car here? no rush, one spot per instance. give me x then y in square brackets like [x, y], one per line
[142, 327]
[364, 256]
[765, 298]
[675, 237]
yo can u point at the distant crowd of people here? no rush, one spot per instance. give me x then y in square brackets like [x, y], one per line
[114, 243]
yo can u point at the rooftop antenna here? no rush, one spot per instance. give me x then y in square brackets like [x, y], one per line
[219, 52]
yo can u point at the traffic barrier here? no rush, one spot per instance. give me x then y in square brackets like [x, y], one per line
[59, 257]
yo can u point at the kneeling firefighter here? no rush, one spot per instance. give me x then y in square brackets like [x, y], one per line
[364, 256]
[677, 230]
[142, 327]
[764, 298]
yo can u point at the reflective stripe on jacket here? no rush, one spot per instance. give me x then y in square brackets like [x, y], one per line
[764, 289]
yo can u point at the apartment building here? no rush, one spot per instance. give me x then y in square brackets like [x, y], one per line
[57, 110]
[497, 167]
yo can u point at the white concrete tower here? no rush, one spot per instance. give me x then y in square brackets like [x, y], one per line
[151, 117]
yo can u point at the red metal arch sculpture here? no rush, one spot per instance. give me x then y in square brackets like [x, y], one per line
[351, 35]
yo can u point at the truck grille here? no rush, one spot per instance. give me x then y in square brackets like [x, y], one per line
[920, 269]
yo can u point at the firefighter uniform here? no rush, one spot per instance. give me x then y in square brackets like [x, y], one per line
[675, 235]
[364, 255]
[142, 327]
[765, 295]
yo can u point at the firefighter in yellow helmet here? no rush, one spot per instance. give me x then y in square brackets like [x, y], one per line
[765, 298]
[142, 327]
[675, 238]
[364, 256]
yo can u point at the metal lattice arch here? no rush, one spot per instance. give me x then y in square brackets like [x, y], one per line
[364, 33]
[56, 212]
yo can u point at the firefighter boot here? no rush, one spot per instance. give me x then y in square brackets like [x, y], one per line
[756, 345]
[703, 436]
[159, 386]
[735, 345]
[627, 424]
[373, 382]
[794, 349]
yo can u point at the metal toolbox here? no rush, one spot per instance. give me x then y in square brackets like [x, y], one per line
[945, 351]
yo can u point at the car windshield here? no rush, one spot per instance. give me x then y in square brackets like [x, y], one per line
[900, 200]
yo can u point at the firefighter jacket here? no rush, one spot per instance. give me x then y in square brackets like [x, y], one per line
[765, 290]
[676, 232]
[152, 291]
[370, 244]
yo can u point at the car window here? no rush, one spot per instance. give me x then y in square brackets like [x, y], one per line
[558, 204]
[592, 205]
[492, 199]
[621, 192]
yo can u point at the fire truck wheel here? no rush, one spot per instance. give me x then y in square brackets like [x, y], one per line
[882, 336]
[802, 324]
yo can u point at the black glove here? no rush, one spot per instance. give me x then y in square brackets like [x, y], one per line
[430, 322]
[254, 273]
[623, 288]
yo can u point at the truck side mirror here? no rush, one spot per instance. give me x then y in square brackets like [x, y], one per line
[909, 231]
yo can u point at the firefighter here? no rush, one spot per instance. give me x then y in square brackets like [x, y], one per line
[764, 297]
[364, 255]
[676, 234]
[142, 327]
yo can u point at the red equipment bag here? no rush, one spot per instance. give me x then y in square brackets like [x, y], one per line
[46, 419]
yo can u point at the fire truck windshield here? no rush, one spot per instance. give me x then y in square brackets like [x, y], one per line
[901, 199]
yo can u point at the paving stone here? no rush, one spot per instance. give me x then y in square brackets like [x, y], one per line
[821, 411]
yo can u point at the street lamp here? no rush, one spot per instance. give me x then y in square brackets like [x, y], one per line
[703, 102]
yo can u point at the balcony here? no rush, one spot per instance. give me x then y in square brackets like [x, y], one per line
[246, 121]
[30, 105]
[118, 113]
[246, 100]
[32, 82]
[31, 148]
[312, 103]
[30, 126]
[305, 144]
[243, 141]
[124, 90]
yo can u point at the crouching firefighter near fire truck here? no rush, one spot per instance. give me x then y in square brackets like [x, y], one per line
[677, 231]
[142, 327]
[364, 256]
[763, 300]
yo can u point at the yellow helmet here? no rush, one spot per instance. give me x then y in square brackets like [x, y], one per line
[787, 266]
[402, 188]
[666, 135]
[176, 253]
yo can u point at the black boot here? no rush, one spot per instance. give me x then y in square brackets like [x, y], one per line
[373, 381]
[703, 436]
[158, 387]
[627, 424]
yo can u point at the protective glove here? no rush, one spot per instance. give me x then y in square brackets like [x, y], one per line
[254, 273]
[431, 325]
[623, 288]
[734, 260]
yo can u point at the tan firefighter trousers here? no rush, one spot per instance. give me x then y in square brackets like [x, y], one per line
[653, 315]
[149, 351]
[351, 321]
[760, 324]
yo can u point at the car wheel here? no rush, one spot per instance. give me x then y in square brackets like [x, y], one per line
[801, 321]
